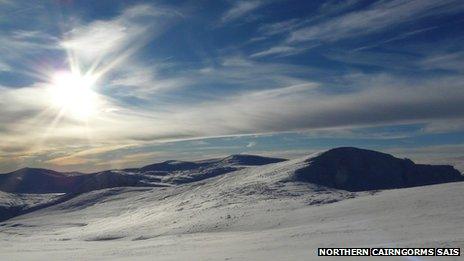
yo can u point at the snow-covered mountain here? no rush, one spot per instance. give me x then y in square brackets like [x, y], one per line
[245, 207]
[34, 180]
[345, 168]
[15, 204]
[356, 169]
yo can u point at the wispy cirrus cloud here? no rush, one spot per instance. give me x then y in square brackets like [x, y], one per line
[21, 49]
[338, 21]
[279, 51]
[397, 38]
[143, 81]
[100, 46]
[302, 106]
[5, 67]
[333, 7]
[281, 27]
[115, 40]
[240, 9]
[378, 17]
[251, 144]
[325, 10]
[452, 61]
[309, 108]
[187, 85]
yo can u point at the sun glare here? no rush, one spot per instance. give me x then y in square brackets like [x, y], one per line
[73, 94]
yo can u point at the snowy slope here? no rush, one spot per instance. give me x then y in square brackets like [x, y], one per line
[272, 230]
[202, 199]
[252, 213]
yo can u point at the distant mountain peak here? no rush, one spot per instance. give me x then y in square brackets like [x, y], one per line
[355, 169]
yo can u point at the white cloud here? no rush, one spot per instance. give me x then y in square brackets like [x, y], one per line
[17, 47]
[282, 50]
[292, 108]
[281, 27]
[378, 17]
[326, 9]
[100, 37]
[31, 127]
[304, 106]
[397, 38]
[264, 97]
[239, 9]
[279, 51]
[251, 144]
[337, 6]
[113, 41]
[4, 67]
[445, 126]
[141, 81]
[446, 61]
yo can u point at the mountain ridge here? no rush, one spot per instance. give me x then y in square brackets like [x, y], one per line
[355, 169]
[347, 168]
[322, 177]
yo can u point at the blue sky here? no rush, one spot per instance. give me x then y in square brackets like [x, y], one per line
[157, 80]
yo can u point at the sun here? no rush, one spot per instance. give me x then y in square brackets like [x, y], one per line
[73, 94]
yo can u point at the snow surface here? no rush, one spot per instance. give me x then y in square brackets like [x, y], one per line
[25, 200]
[12, 204]
[253, 213]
